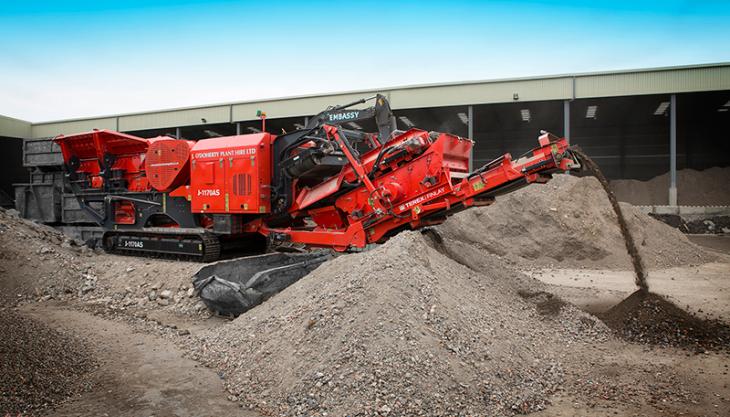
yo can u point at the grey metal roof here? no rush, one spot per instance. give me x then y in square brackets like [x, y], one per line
[665, 80]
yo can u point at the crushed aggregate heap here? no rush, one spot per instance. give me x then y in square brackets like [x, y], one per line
[569, 222]
[403, 329]
[40, 367]
[694, 188]
[435, 323]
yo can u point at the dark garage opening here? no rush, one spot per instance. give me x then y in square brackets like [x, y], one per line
[627, 136]
[513, 127]
[703, 130]
[452, 119]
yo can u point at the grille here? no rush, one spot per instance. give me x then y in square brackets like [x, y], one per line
[242, 184]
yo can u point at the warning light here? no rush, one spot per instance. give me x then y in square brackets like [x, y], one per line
[262, 115]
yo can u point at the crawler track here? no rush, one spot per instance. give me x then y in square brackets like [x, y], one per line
[187, 244]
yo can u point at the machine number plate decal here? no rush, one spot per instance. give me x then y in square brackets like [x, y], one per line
[134, 244]
[209, 192]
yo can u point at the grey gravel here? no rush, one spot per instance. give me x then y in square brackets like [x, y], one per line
[40, 367]
[399, 330]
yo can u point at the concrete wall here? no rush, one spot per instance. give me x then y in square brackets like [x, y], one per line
[14, 128]
[44, 130]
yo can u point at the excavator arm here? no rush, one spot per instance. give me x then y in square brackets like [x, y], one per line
[339, 115]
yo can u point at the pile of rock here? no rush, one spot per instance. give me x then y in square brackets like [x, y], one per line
[403, 329]
[694, 188]
[37, 261]
[40, 366]
[569, 222]
[652, 319]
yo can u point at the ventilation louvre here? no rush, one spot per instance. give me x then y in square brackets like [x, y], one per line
[242, 184]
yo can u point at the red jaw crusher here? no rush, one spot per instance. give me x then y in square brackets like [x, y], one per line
[320, 186]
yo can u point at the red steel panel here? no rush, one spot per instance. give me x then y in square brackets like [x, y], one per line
[167, 163]
[231, 174]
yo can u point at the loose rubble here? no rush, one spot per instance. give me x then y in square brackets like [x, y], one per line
[434, 323]
[712, 225]
[40, 367]
[652, 319]
[569, 222]
[400, 330]
[37, 260]
[695, 188]
[43, 264]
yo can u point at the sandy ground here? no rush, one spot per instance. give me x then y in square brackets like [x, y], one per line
[140, 374]
[144, 371]
[703, 290]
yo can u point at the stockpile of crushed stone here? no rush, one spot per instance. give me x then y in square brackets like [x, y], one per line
[39, 263]
[694, 188]
[37, 260]
[40, 366]
[400, 330]
[569, 222]
[710, 225]
[652, 319]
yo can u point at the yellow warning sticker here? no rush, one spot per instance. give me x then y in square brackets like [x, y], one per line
[478, 185]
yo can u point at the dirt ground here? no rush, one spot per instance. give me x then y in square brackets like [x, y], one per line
[703, 290]
[143, 371]
[139, 374]
[158, 352]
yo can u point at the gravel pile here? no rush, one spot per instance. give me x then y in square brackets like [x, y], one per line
[569, 222]
[652, 319]
[711, 225]
[37, 261]
[694, 188]
[403, 329]
[40, 367]
[130, 283]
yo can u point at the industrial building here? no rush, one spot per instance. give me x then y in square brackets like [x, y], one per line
[637, 124]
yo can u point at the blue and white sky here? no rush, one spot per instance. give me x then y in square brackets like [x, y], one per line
[68, 59]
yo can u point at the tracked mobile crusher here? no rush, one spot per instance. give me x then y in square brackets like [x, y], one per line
[321, 186]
